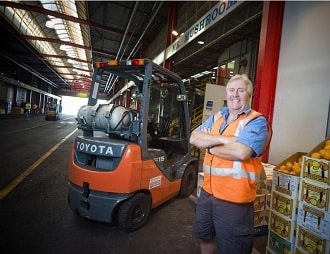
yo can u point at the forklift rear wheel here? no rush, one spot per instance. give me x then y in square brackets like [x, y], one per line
[134, 212]
[188, 182]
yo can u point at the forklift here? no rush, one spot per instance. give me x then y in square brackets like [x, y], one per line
[129, 160]
[52, 112]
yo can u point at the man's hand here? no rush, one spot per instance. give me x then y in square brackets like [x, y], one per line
[204, 138]
[232, 151]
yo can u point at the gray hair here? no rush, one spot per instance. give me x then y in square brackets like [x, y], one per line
[245, 79]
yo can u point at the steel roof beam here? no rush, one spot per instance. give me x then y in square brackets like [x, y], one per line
[32, 8]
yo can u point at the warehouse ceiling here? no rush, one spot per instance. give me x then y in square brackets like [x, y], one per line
[57, 41]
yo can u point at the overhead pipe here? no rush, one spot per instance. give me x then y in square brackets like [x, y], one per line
[139, 40]
[42, 60]
[146, 29]
[30, 70]
[56, 14]
[127, 27]
[110, 78]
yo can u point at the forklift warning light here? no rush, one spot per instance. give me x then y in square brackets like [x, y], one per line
[134, 62]
[100, 65]
[112, 63]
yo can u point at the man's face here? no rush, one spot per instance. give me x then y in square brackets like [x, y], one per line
[237, 95]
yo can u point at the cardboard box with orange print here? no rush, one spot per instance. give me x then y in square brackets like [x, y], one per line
[261, 218]
[315, 166]
[286, 184]
[307, 242]
[316, 170]
[315, 194]
[316, 221]
[284, 205]
[264, 186]
[268, 201]
[286, 181]
[282, 226]
[279, 245]
[259, 202]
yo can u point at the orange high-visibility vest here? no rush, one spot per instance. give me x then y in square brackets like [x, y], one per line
[233, 181]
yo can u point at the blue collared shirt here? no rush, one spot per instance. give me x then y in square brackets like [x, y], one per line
[254, 134]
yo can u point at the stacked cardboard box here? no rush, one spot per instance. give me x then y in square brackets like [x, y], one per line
[300, 207]
[262, 201]
[313, 219]
[17, 111]
[283, 208]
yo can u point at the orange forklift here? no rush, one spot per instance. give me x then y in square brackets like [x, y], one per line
[129, 160]
[52, 112]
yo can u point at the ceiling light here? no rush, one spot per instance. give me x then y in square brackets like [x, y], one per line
[50, 24]
[175, 33]
[71, 61]
[64, 47]
[200, 42]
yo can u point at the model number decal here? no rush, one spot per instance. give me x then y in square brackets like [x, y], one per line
[159, 159]
[155, 182]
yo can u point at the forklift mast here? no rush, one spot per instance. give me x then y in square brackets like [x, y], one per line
[162, 99]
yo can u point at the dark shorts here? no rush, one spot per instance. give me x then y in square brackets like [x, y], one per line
[232, 224]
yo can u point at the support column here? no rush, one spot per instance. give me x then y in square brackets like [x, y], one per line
[171, 25]
[268, 57]
[43, 104]
[39, 101]
[14, 102]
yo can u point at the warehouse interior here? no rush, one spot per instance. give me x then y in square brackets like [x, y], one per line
[91, 34]
[49, 49]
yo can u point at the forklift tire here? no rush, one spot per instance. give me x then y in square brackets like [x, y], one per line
[189, 180]
[133, 213]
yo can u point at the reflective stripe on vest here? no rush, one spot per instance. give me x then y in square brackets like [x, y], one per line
[236, 172]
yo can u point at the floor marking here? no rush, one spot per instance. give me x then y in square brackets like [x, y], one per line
[28, 128]
[30, 169]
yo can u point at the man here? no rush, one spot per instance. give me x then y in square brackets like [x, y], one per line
[35, 109]
[234, 139]
[27, 108]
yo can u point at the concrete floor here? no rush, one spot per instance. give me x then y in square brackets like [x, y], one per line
[34, 214]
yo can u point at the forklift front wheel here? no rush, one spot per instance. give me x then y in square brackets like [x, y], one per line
[133, 213]
[189, 180]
